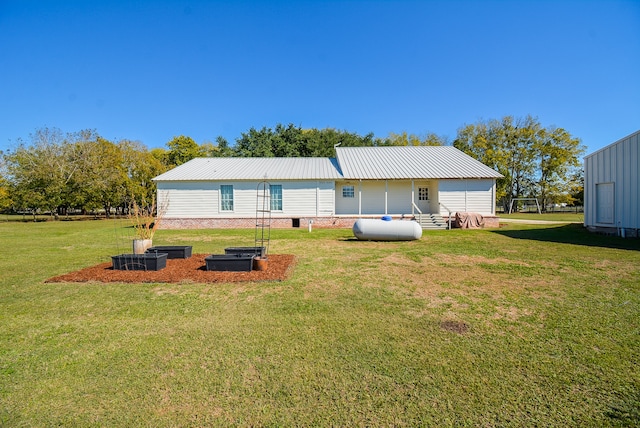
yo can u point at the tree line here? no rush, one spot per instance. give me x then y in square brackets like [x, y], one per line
[56, 172]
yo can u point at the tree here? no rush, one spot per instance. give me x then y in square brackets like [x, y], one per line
[222, 150]
[102, 180]
[535, 161]
[557, 157]
[255, 143]
[182, 149]
[404, 139]
[40, 172]
[5, 199]
[576, 188]
[140, 166]
[290, 141]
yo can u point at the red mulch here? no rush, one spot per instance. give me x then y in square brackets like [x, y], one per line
[192, 269]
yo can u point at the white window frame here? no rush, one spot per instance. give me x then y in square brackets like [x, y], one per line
[224, 197]
[421, 196]
[348, 191]
[276, 197]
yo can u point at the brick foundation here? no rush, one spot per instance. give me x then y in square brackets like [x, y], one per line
[340, 222]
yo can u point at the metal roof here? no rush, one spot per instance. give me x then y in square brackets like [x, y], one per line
[357, 163]
[253, 169]
[410, 162]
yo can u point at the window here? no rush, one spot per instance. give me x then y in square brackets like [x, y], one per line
[348, 192]
[226, 197]
[276, 197]
[423, 193]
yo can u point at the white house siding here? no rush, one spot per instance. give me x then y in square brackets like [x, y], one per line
[475, 196]
[399, 197]
[202, 199]
[306, 199]
[612, 186]
[372, 197]
[326, 198]
[346, 205]
[188, 199]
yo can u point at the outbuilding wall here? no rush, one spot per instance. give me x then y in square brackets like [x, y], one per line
[612, 187]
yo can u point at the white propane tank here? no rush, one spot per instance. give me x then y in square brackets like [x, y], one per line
[367, 229]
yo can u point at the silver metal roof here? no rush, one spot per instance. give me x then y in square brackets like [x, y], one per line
[407, 162]
[357, 163]
[253, 169]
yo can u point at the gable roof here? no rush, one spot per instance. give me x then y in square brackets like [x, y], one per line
[253, 169]
[356, 163]
[406, 162]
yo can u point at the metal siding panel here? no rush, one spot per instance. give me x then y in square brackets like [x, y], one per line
[634, 199]
[616, 163]
[589, 219]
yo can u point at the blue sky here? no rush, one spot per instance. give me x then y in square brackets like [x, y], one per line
[152, 70]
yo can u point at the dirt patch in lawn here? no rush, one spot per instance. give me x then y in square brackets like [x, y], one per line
[193, 269]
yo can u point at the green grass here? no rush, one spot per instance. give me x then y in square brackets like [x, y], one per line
[559, 217]
[549, 334]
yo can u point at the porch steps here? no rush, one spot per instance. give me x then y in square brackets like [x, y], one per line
[433, 222]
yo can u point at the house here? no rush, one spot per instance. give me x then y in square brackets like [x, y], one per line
[612, 188]
[428, 183]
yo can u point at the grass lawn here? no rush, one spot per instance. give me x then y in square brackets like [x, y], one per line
[559, 217]
[527, 325]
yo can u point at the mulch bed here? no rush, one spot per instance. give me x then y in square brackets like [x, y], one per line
[193, 269]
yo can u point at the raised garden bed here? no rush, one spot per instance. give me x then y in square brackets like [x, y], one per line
[254, 251]
[230, 262]
[146, 261]
[172, 251]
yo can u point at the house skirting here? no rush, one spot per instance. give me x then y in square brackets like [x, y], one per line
[335, 222]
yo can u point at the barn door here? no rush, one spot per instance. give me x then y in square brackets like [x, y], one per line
[605, 202]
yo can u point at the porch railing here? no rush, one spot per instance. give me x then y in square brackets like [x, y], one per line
[446, 208]
[415, 207]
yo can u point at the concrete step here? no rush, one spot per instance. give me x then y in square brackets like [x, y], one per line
[433, 222]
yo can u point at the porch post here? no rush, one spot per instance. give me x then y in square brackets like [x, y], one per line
[360, 198]
[413, 197]
[386, 192]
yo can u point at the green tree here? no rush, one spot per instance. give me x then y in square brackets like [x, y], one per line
[557, 159]
[182, 149]
[576, 188]
[102, 179]
[288, 141]
[535, 161]
[40, 172]
[405, 139]
[140, 167]
[222, 148]
[5, 198]
[255, 143]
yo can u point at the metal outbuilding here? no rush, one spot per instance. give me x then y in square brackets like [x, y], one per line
[612, 188]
